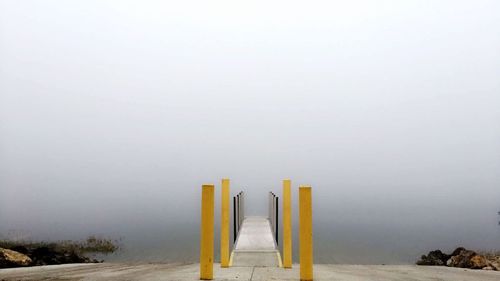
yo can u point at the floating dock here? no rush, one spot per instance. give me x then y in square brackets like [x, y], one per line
[255, 245]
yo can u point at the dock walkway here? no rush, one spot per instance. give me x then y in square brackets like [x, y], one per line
[255, 245]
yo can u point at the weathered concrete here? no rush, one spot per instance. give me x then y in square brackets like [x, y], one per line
[256, 259]
[177, 272]
[255, 235]
[255, 245]
[114, 271]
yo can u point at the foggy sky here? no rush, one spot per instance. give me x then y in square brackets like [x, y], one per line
[115, 112]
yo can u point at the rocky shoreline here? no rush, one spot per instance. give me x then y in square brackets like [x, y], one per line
[462, 258]
[21, 254]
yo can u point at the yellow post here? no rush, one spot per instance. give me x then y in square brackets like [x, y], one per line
[305, 234]
[287, 224]
[224, 224]
[207, 232]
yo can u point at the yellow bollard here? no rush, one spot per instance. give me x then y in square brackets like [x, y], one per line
[224, 224]
[207, 233]
[305, 234]
[287, 224]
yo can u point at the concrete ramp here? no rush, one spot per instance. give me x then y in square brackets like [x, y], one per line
[255, 245]
[190, 272]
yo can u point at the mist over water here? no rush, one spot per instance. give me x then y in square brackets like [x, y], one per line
[114, 113]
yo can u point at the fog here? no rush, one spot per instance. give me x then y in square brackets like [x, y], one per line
[114, 113]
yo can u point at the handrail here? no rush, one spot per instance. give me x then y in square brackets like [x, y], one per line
[274, 214]
[238, 213]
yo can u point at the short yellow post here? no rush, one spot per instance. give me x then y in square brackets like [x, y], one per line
[207, 232]
[305, 234]
[287, 224]
[224, 224]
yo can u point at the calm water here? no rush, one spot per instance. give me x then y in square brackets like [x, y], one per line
[361, 226]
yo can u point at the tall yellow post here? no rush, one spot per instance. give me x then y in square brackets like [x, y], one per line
[287, 224]
[305, 234]
[207, 232]
[224, 224]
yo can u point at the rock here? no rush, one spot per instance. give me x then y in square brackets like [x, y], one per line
[435, 257]
[461, 259]
[488, 268]
[479, 262]
[10, 258]
[464, 258]
[21, 249]
[495, 265]
[40, 255]
[457, 251]
[52, 255]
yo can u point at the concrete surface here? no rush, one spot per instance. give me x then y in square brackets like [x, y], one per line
[256, 259]
[177, 272]
[255, 235]
[255, 245]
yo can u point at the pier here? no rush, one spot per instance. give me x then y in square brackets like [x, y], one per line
[255, 238]
[255, 245]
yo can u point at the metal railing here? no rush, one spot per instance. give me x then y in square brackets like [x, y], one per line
[238, 213]
[273, 214]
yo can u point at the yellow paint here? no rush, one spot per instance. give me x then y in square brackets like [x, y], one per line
[305, 234]
[287, 224]
[231, 259]
[280, 263]
[224, 224]
[207, 232]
